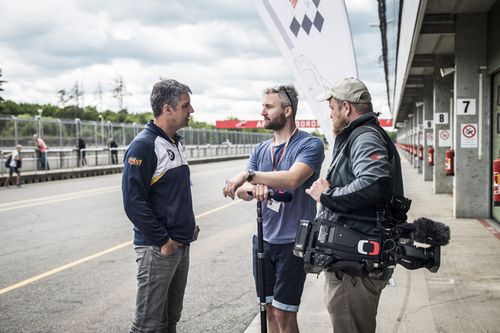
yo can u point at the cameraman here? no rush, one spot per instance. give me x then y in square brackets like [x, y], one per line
[364, 173]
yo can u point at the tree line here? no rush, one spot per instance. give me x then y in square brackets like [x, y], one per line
[89, 112]
[71, 106]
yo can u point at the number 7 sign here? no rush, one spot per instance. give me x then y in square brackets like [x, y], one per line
[466, 106]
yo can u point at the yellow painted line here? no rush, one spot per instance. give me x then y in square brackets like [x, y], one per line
[219, 208]
[61, 268]
[93, 256]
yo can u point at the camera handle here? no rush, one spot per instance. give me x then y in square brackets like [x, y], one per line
[260, 269]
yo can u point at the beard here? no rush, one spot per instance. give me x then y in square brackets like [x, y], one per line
[276, 124]
[339, 125]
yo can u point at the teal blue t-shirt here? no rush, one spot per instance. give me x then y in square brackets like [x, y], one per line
[280, 227]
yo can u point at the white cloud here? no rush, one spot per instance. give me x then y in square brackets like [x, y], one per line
[220, 48]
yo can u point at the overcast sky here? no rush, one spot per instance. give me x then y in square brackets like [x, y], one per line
[220, 48]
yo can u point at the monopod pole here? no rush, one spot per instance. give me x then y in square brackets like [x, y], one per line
[260, 270]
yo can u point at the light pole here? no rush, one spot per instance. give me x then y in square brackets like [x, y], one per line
[40, 127]
[102, 129]
[110, 129]
[14, 120]
[77, 127]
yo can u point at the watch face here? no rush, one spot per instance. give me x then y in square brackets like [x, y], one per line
[251, 174]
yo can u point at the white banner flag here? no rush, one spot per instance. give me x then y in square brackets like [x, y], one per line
[314, 36]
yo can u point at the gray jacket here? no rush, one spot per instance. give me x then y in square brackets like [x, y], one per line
[365, 172]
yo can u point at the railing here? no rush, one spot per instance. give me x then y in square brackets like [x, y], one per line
[66, 132]
[65, 158]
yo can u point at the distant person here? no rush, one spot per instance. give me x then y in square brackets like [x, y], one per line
[14, 163]
[157, 199]
[290, 161]
[114, 152]
[226, 142]
[41, 149]
[81, 153]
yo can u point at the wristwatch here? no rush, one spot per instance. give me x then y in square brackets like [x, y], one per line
[250, 175]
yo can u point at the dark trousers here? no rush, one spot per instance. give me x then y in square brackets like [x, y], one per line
[114, 157]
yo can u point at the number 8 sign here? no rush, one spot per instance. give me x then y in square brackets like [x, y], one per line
[441, 118]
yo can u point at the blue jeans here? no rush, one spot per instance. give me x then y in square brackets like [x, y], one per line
[44, 163]
[161, 281]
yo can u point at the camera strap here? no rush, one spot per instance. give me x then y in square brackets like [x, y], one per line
[333, 165]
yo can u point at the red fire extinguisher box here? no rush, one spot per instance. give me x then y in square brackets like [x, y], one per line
[450, 162]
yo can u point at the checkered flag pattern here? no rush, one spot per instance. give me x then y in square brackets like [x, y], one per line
[306, 23]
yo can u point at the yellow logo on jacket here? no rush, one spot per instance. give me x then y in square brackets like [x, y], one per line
[134, 161]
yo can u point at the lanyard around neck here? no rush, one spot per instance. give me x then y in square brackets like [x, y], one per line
[282, 154]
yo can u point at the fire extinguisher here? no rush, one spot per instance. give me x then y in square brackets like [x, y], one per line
[430, 156]
[450, 162]
[420, 152]
[496, 181]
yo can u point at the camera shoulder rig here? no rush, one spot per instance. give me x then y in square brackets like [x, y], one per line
[332, 245]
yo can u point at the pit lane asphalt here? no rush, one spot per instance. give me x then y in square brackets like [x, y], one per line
[49, 225]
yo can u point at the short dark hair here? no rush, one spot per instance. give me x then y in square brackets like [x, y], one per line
[167, 91]
[288, 96]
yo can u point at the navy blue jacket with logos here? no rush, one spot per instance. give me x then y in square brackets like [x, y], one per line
[156, 189]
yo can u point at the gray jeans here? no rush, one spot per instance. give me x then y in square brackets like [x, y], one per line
[352, 302]
[161, 281]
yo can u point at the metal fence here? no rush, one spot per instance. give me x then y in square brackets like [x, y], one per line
[66, 158]
[65, 133]
[61, 136]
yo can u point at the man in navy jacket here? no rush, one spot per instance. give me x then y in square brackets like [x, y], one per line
[157, 199]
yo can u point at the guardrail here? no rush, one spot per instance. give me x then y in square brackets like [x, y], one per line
[68, 158]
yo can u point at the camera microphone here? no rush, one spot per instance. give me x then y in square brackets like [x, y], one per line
[279, 196]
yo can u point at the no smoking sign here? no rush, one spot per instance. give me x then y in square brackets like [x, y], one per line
[468, 136]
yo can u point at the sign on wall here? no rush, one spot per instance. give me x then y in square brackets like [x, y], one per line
[468, 136]
[305, 123]
[444, 138]
[441, 118]
[466, 106]
[429, 137]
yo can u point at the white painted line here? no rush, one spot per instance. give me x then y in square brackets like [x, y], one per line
[55, 198]
[66, 196]
[442, 280]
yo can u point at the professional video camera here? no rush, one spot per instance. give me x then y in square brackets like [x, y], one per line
[334, 245]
